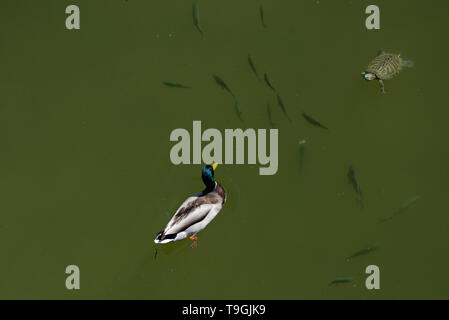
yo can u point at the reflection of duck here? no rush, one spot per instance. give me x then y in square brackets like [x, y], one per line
[196, 212]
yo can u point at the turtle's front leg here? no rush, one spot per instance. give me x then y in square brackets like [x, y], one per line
[382, 87]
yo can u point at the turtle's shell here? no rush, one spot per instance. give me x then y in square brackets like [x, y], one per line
[386, 65]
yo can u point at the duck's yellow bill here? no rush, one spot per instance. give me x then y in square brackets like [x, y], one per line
[214, 165]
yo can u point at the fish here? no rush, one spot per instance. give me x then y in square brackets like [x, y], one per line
[404, 206]
[281, 104]
[363, 251]
[175, 85]
[313, 121]
[222, 84]
[267, 81]
[237, 110]
[155, 254]
[355, 183]
[196, 17]
[251, 64]
[269, 115]
[262, 17]
[340, 280]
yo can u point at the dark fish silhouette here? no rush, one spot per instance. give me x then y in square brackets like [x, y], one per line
[262, 16]
[196, 17]
[268, 82]
[313, 121]
[251, 64]
[363, 251]
[237, 110]
[175, 85]
[404, 206]
[355, 183]
[281, 104]
[269, 115]
[222, 84]
[340, 280]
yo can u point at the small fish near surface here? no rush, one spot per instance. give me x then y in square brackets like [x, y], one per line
[222, 84]
[363, 251]
[281, 104]
[262, 20]
[268, 82]
[237, 111]
[253, 67]
[175, 85]
[404, 206]
[270, 119]
[196, 17]
[355, 183]
[340, 280]
[313, 121]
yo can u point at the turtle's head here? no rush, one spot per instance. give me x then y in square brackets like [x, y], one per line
[208, 175]
[369, 76]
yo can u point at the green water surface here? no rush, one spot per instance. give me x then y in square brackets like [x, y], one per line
[86, 177]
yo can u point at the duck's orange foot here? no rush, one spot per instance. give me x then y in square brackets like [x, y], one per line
[193, 245]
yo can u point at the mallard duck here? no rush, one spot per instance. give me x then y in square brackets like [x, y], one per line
[196, 212]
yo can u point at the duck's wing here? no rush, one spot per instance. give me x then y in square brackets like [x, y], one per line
[193, 210]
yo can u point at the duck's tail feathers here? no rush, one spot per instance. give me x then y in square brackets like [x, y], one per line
[162, 241]
[164, 238]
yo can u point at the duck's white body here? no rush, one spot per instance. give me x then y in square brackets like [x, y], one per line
[193, 215]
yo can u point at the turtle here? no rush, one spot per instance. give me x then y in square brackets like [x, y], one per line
[384, 67]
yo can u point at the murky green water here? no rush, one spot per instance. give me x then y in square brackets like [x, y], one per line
[86, 177]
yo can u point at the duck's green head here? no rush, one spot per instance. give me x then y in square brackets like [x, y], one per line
[208, 175]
